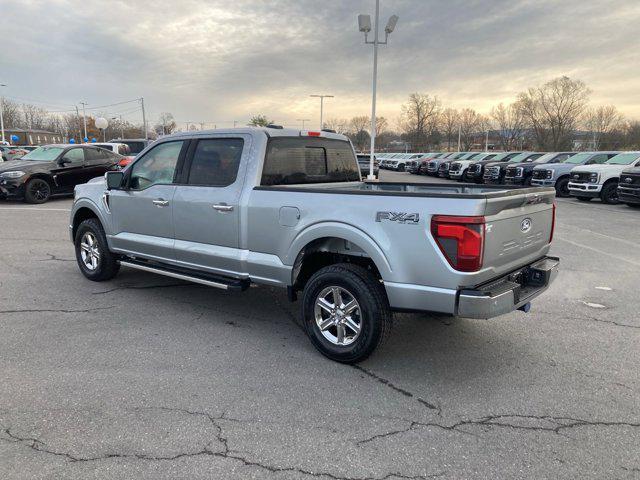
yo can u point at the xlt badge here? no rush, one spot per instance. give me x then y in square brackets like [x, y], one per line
[400, 217]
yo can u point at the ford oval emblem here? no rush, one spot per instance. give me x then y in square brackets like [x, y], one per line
[525, 225]
[628, 179]
[576, 177]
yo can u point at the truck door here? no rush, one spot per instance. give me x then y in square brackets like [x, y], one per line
[206, 204]
[142, 214]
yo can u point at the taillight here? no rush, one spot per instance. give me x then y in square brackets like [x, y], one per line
[461, 240]
[553, 222]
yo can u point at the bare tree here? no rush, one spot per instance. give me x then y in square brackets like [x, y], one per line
[166, 124]
[340, 125]
[510, 122]
[602, 122]
[553, 111]
[11, 114]
[419, 119]
[449, 122]
[471, 123]
[35, 117]
[358, 131]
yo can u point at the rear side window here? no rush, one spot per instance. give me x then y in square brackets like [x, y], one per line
[215, 162]
[291, 161]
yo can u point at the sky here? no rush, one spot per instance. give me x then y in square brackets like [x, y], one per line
[217, 61]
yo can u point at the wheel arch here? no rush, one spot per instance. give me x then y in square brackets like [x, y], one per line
[83, 212]
[330, 243]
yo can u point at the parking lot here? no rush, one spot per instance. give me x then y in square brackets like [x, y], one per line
[148, 377]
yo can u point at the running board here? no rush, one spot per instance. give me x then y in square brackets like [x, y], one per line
[223, 283]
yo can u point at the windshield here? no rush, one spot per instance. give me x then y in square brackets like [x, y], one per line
[501, 156]
[579, 159]
[622, 159]
[521, 158]
[546, 158]
[43, 154]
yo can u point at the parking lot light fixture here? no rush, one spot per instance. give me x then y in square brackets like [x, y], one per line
[321, 97]
[364, 25]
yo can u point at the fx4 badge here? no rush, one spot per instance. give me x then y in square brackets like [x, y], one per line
[400, 217]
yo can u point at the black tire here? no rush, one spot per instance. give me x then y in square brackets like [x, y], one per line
[107, 265]
[609, 194]
[373, 313]
[562, 188]
[401, 167]
[584, 199]
[37, 190]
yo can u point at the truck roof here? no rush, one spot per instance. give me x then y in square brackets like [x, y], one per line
[268, 131]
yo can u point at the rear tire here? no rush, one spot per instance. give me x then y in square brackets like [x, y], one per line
[562, 188]
[609, 194]
[94, 259]
[324, 317]
[37, 190]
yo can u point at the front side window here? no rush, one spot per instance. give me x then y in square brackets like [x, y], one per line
[293, 160]
[158, 166]
[216, 162]
[75, 156]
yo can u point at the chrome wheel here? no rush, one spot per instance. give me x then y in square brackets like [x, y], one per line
[338, 315]
[89, 251]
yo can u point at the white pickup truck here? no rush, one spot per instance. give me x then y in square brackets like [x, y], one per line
[593, 181]
[283, 207]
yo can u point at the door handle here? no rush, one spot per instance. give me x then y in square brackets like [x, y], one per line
[160, 202]
[223, 207]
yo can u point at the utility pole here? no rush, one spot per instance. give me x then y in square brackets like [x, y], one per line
[302, 120]
[78, 120]
[2, 112]
[235, 122]
[459, 136]
[84, 119]
[364, 25]
[144, 120]
[321, 97]
[486, 142]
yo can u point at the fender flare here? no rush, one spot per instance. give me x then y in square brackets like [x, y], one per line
[90, 205]
[339, 230]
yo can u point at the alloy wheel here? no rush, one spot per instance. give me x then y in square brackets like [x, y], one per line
[89, 251]
[338, 315]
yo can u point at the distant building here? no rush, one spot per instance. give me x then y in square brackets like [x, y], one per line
[32, 137]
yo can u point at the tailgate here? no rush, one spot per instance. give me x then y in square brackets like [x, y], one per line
[518, 228]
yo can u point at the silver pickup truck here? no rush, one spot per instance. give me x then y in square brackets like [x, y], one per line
[283, 207]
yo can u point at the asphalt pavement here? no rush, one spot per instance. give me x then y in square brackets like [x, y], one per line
[147, 377]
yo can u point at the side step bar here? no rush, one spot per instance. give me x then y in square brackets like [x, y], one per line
[223, 283]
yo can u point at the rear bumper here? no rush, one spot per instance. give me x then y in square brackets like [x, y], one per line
[508, 293]
[490, 299]
[585, 189]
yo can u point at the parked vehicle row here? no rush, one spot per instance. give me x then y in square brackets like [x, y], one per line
[584, 175]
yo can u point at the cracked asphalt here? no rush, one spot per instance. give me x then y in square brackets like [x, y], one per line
[146, 377]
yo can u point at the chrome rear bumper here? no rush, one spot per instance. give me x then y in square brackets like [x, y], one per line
[508, 293]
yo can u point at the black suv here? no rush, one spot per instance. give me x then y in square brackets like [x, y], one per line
[475, 172]
[629, 187]
[52, 170]
[522, 173]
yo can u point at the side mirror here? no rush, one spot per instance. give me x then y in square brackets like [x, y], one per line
[114, 180]
[64, 161]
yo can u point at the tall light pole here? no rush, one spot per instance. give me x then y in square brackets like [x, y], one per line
[84, 118]
[2, 112]
[144, 119]
[302, 120]
[321, 97]
[364, 24]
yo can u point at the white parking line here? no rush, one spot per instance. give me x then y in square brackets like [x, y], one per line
[37, 209]
[601, 252]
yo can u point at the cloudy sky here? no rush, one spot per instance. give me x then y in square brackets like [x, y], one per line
[220, 60]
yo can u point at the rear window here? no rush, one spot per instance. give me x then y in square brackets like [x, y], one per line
[291, 161]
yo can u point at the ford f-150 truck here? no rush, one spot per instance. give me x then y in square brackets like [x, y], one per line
[287, 208]
[592, 181]
[557, 175]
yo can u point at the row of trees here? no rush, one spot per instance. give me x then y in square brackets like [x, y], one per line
[551, 117]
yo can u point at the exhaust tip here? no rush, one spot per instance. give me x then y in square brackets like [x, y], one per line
[526, 307]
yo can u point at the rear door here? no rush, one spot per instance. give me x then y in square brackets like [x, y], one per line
[142, 214]
[206, 204]
[72, 171]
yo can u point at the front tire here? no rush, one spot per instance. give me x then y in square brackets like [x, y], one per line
[609, 194]
[37, 190]
[562, 188]
[345, 312]
[94, 259]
